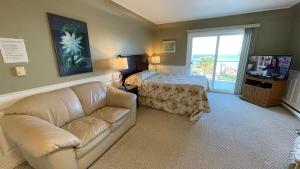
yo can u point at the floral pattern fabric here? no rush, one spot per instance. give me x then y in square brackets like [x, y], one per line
[184, 99]
[137, 78]
[179, 94]
[180, 79]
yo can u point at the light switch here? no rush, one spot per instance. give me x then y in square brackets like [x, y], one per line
[20, 71]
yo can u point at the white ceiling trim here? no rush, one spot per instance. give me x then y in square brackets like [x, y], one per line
[217, 16]
[162, 16]
[225, 28]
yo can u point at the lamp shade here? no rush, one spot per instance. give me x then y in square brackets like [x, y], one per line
[155, 59]
[119, 63]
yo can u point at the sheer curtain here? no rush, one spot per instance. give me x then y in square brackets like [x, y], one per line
[246, 50]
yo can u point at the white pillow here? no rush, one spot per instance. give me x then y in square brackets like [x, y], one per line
[137, 78]
[148, 73]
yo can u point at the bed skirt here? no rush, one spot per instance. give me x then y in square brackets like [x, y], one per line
[175, 98]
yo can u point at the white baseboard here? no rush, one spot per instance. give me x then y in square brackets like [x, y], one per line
[10, 98]
[10, 156]
[288, 107]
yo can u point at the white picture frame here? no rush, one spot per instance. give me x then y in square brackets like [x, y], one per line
[169, 46]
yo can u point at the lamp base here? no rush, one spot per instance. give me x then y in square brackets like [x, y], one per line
[155, 68]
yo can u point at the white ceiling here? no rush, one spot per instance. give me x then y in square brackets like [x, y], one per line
[167, 11]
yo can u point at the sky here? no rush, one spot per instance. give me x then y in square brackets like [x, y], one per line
[229, 45]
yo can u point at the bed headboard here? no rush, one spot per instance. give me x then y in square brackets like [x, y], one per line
[136, 63]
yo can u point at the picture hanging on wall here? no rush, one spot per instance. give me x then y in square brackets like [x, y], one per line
[71, 43]
[169, 46]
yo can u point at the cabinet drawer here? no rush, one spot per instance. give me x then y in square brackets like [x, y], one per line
[249, 91]
[262, 95]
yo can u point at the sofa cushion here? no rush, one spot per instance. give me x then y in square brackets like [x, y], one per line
[57, 107]
[81, 151]
[86, 128]
[91, 95]
[116, 125]
[296, 150]
[35, 136]
[115, 116]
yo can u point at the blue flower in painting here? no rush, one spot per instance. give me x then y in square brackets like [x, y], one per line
[71, 43]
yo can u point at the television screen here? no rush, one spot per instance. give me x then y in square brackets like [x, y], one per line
[276, 67]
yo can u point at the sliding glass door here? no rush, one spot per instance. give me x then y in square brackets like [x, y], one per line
[216, 55]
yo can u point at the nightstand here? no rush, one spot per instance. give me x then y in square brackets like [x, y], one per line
[131, 89]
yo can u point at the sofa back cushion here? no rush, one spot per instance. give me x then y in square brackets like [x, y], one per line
[91, 95]
[57, 107]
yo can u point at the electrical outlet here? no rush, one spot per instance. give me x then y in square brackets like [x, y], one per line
[20, 71]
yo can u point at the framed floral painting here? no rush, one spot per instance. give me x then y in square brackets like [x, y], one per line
[71, 43]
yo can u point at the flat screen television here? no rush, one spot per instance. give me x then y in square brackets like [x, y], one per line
[276, 66]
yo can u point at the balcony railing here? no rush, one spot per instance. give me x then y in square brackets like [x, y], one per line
[225, 70]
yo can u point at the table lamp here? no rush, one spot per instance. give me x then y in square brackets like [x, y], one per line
[120, 64]
[155, 60]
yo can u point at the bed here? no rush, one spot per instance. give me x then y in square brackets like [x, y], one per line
[179, 94]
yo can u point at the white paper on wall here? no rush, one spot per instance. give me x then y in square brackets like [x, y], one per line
[13, 50]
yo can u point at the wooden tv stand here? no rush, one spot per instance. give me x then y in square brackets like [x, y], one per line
[263, 92]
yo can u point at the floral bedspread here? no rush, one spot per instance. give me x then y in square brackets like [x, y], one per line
[184, 99]
[180, 94]
[179, 79]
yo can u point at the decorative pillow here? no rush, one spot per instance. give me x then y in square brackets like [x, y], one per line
[148, 73]
[137, 78]
[133, 80]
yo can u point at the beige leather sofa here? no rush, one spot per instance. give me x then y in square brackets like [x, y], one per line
[69, 128]
[295, 155]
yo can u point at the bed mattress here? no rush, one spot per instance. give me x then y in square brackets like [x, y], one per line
[180, 79]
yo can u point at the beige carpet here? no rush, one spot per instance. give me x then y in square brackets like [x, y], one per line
[235, 135]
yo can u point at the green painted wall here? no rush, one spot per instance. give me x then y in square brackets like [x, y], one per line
[272, 38]
[112, 31]
[295, 39]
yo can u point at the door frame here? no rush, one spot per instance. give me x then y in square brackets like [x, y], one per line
[204, 33]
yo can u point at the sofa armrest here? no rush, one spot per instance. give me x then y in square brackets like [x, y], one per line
[296, 150]
[36, 136]
[119, 98]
